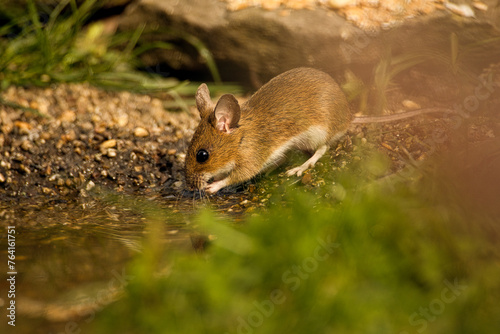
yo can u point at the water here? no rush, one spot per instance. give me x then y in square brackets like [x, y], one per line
[71, 259]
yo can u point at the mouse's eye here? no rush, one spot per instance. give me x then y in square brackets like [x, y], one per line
[202, 156]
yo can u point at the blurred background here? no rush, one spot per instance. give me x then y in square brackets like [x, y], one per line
[396, 230]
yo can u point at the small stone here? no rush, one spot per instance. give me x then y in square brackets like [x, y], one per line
[177, 184]
[24, 128]
[69, 136]
[122, 120]
[18, 157]
[26, 145]
[2, 178]
[59, 144]
[24, 169]
[140, 132]
[68, 116]
[307, 178]
[138, 169]
[111, 152]
[45, 135]
[108, 144]
[90, 185]
[171, 151]
[100, 128]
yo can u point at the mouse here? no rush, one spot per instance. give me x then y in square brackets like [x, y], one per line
[301, 109]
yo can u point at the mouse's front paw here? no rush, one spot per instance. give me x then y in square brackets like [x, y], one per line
[214, 187]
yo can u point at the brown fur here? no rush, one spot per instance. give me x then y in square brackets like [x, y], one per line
[282, 109]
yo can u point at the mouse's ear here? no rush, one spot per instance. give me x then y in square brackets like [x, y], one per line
[203, 101]
[227, 113]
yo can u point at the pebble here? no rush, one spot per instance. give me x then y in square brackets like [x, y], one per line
[122, 120]
[111, 152]
[108, 144]
[141, 132]
[307, 178]
[18, 157]
[68, 116]
[26, 145]
[2, 178]
[24, 128]
[90, 185]
[69, 136]
[24, 169]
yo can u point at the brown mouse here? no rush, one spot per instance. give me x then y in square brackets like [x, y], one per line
[302, 109]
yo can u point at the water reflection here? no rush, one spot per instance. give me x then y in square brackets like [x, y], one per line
[72, 259]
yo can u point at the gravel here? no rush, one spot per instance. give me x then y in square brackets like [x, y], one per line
[83, 136]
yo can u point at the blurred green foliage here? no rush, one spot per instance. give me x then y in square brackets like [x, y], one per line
[365, 257]
[60, 45]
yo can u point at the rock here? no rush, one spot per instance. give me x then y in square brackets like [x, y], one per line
[24, 128]
[68, 116]
[108, 144]
[253, 45]
[27, 146]
[47, 191]
[90, 185]
[141, 132]
[111, 152]
[307, 178]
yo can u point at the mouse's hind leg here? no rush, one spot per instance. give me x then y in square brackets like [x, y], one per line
[309, 163]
